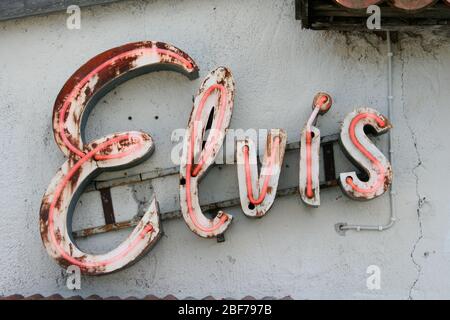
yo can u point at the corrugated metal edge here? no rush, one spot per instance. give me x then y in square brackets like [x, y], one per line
[147, 297]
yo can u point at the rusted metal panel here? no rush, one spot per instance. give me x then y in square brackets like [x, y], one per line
[105, 71]
[309, 185]
[115, 151]
[267, 183]
[365, 155]
[58, 205]
[178, 214]
[170, 171]
[216, 95]
[105, 228]
[330, 181]
[107, 205]
[108, 184]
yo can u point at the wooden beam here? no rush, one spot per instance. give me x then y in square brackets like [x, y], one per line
[12, 9]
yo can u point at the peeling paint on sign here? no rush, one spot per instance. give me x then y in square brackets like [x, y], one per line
[365, 155]
[309, 184]
[207, 126]
[216, 95]
[267, 183]
[115, 151]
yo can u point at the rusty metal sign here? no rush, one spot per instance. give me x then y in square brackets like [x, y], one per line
[204, 137]
[114, 151]
[216, 95]
[267, 183]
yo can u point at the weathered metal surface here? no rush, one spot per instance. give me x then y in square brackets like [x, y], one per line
[107, 205]
[309, 185]
[170, 171]
[105, 71]
[61, 196]
[106, 228]
[115, 151]
[178, 214]
[266, 183]
[330, 181]
[365, 155]
[216, 95]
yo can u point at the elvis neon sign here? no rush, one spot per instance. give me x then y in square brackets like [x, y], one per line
[115, 151]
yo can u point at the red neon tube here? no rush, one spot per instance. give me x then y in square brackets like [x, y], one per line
[274, 151]
[321, 101]
[148, 228]
[193, 172]
[90, 75]
[381, 170]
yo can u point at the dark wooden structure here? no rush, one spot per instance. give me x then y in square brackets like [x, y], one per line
[326, 15]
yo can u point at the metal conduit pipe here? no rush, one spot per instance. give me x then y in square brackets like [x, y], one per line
[342, 227]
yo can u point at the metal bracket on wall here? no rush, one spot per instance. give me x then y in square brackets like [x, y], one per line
[108, 210]
[104, 187]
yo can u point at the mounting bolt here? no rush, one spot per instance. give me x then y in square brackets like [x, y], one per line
[324, 101]
[220, 238]
[339, 229]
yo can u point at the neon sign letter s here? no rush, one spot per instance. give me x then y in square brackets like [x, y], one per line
[365, 155]
[78, 96]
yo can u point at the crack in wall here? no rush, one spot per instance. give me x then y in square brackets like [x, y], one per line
[420, 199]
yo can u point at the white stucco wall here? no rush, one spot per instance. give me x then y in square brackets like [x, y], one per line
[278, 68]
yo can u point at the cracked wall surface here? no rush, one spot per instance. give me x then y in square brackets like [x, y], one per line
[278, 67]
